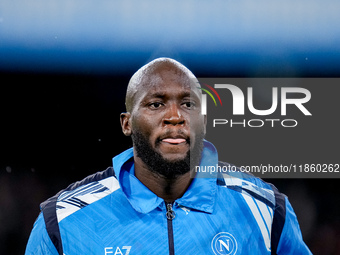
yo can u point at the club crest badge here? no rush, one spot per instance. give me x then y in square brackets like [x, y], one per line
[224, 244]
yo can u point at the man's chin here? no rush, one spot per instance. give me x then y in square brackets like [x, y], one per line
[173, 157]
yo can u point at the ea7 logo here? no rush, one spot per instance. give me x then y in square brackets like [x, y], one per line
[224, 244]
[238, 100]
[124, 251]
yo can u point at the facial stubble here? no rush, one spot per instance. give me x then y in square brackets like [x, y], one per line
[157, 164]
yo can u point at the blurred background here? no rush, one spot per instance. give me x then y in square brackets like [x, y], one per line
[65, 65]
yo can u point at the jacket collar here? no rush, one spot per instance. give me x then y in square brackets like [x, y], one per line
[199, 196]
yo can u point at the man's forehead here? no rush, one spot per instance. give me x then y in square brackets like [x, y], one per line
[158, 84]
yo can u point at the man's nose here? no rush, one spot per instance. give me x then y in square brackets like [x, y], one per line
[173, 116]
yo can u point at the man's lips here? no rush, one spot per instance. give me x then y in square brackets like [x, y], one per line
[174, 140]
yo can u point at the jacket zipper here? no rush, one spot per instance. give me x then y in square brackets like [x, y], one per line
[170, 215]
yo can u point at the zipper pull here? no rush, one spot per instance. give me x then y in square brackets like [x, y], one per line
[170, 214]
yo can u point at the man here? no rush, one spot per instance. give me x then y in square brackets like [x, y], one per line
[151, 202]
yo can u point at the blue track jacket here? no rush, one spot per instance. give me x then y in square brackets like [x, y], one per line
[112, 212]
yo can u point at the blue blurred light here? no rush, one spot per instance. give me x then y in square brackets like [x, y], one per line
[115, 37]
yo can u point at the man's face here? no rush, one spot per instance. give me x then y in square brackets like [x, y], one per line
[166, 122]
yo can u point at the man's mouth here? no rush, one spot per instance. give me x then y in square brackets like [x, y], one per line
[174, 140]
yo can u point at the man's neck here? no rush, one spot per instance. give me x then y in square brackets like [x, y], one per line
[168, 189]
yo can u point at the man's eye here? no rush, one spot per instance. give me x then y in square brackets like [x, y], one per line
[155, 105]
[189, 105]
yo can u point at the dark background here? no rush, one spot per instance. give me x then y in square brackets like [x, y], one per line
[65, 65]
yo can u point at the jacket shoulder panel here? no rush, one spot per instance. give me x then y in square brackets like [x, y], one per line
[246, 184]
[75, 197]
[265, 202]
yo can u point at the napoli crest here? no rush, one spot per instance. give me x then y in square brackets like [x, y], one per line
[224, 244]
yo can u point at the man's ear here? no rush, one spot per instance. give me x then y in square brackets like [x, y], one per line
[125, 123]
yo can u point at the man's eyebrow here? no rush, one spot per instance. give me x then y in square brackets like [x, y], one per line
[163, 95]
[156, 94]
[186, 94]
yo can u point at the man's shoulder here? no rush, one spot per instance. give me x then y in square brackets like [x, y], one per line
[247, 184]
[263, 199]
[74, 198]
[81, 194]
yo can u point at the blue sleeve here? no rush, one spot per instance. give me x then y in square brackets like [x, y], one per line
[291, 241]
[39, 242]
